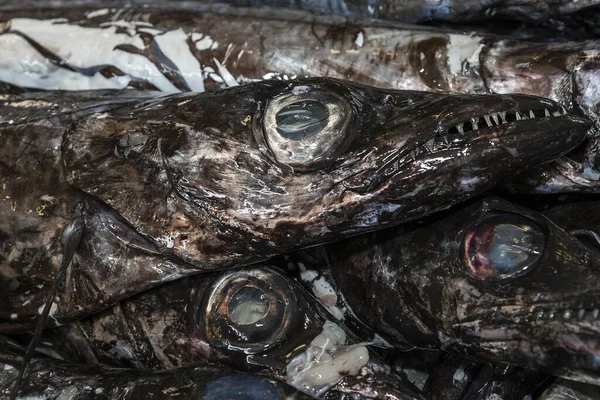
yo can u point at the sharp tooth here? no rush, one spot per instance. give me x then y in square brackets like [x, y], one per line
[429, 144]
[487, 120]
[502, 117]
[518, 116]
[564, 111]
[460, 129]
[556, 113]
[495, 118]
[546, 112]
[595, 313]
[475, 123]
[581, 313]
[531, 114]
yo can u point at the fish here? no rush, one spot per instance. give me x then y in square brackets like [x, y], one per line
[56, 379]
[196, 51]
[558, 16]
[492, 280]
[141, 191]
[254, 319]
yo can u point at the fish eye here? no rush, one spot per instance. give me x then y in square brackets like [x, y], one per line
[502, 246]
[249, 309]
[304, 128]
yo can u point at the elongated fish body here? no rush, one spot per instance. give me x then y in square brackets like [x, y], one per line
[141, 191]
[55, 379]
[253, 319]
[456, 11]
[451, 284]
[186, 51]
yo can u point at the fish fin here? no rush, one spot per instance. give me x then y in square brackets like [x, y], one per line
[71, 239]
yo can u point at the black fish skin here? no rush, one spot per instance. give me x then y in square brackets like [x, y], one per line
[559, 15]
[544, 319]
[374, 52]
[185, 323]
[52, 379]
[179, 184]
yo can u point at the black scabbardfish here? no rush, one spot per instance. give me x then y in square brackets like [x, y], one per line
[56, 379]
[131, 192]
[211, 47]
[491, 280]
[254, 319]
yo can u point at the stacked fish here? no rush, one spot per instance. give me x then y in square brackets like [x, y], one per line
[294, 200]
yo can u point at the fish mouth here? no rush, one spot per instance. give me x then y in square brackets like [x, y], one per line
[459, 132]
[554, 339]
[511, 120]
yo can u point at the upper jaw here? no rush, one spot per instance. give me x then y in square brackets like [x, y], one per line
[462, 125]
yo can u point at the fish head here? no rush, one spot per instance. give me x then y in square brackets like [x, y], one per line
[218, 178]
[255, 319]
[492, 280]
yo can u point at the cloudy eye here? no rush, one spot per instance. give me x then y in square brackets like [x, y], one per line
[305, 128]
[503, 245]
[302, 120]
[249, 309]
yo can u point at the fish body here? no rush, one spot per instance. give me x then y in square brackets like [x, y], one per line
[458, 11]
[177, 51]
[55, 379]
[253, 319]
[174, 185]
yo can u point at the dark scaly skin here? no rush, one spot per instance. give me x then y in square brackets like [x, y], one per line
[52, 379]
[176, 185]
[544, 319]
[185, 323]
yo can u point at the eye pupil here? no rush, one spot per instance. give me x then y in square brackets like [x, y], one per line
[248, 306]
[503, 245]
[301, 120]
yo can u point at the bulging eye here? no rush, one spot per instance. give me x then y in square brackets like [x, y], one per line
[250, 309]
[305, 128]
[503, 245]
